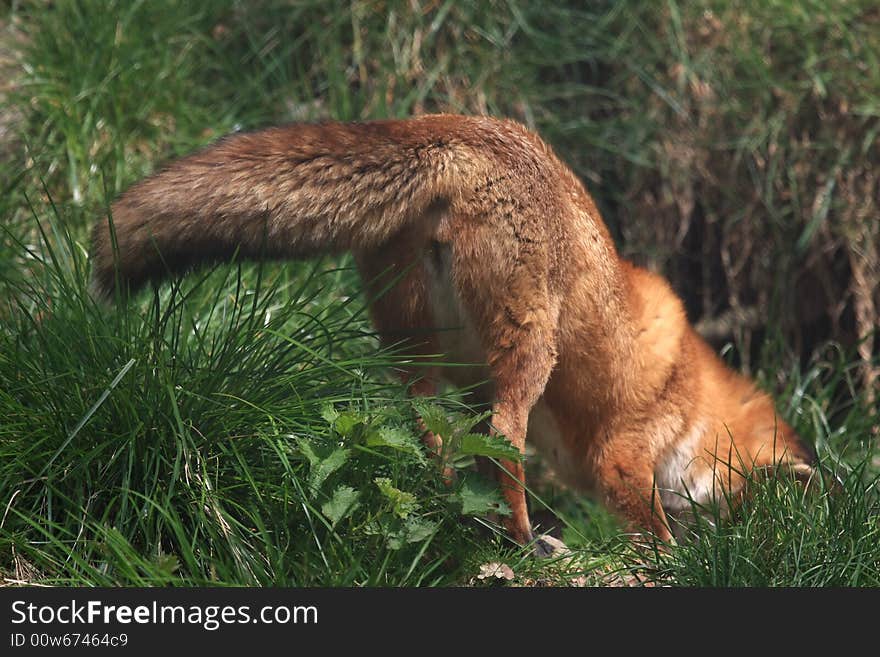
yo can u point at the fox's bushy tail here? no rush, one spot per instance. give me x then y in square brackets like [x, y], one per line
[284, 192]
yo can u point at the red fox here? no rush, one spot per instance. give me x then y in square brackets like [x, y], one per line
[588, 356]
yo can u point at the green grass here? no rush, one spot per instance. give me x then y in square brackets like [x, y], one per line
[241, 426]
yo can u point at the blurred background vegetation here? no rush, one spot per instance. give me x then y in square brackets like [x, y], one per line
[731, 145]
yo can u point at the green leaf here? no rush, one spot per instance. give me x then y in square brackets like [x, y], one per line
[328, 466]
[305, 446]
[329, 413]
[435, 419]
[346, 422]
[396, 438]
[479, 497]
[403, 503]
[166, 565]
[466, 423]
[480, 444]
[461, 461]
[322, 463]
[341, 505]
[413, 530]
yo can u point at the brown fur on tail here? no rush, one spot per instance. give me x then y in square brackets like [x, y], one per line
[282, 192]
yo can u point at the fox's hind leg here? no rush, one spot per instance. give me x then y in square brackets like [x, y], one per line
[516, 319]
[396, 287]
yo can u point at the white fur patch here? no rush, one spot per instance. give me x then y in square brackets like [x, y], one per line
[684, 473]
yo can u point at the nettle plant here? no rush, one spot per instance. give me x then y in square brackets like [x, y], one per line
[360, 472]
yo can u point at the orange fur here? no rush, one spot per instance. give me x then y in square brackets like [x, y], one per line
[504, 262]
